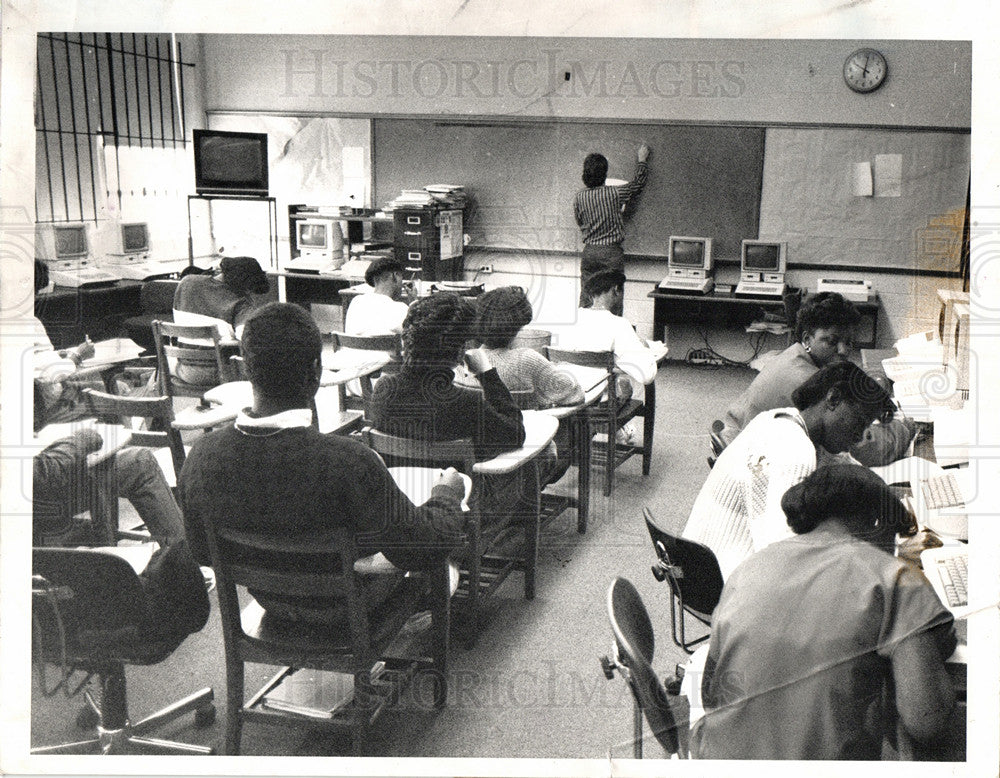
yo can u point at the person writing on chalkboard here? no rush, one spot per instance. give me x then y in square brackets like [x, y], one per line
[600, 213]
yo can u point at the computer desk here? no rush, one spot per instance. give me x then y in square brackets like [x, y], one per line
[715, 309]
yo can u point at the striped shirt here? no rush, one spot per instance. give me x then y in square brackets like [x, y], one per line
[598, 209]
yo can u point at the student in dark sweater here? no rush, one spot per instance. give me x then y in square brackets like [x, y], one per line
[272, 471]
[422, 401]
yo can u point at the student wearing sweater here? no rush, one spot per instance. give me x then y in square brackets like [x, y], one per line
[422, 401]
[272, 471]
[738, 510]
[599, 329]
[502, 313]
[825, 328]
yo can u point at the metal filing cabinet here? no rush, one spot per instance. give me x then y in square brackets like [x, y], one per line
[428, 241]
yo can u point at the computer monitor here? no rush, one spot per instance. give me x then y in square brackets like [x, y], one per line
[59, 242]
[689, 257]
[130, 239]
[763, 260]
[321, 238]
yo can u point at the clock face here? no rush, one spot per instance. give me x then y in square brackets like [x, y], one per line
[865, 70]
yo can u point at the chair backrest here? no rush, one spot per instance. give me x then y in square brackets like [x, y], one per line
[391, 342]
[457, 453]
[603, 360]
[168, 335]
[531, 338]
[634, 645]
[307, 566]
[157, 296]
[116, 409]
[105, 598]
[691, 568]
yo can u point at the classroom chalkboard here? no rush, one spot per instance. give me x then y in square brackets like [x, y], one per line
[521, 178]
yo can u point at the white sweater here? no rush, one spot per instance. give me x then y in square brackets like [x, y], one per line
[738, 510]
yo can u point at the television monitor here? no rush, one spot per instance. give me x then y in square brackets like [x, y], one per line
[690, 256]
[233, 163]
[762, 258]
[319, 238]
[54, 242]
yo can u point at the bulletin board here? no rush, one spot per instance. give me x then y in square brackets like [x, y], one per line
[703, 180]
[909, 218]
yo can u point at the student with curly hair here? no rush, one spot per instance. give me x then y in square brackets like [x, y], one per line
[422, 401]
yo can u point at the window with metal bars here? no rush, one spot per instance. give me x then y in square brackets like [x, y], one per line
[100, 100]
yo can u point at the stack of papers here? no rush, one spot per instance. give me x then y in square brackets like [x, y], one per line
[451, 195]
[412, 198]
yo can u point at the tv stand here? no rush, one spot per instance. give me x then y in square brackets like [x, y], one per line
[272, 221]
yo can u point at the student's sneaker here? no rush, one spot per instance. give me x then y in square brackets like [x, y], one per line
[209, 575]
[625, 435]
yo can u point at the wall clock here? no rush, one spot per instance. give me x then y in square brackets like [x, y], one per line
[865, 70]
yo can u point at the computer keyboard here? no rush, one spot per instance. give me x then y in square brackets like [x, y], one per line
[759, 289]
[942, 491]
[82, 277]
[954, 574]
[699, 285]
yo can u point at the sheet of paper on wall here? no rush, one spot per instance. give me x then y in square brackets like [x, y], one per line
[862, 182]
[888, 175]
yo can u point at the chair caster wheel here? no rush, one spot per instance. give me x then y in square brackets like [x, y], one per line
[204, 716]
[87, 718]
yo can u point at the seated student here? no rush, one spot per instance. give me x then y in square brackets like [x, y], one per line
[271, 471]
[56, 400]
[422, 401]
[825, 329]
[812, 631]
[598, 329]
[225, 299]
[502, 313]
[380, 312]
[62, 486]
[737, 511]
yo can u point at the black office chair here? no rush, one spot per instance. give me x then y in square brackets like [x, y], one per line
[694, 576]
[91, 613]
[632, 656]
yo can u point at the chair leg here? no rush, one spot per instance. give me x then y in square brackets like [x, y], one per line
[234, 706]
[192, 702]
[531, 531]
[636, 729]
[609, 458]
[92, 746]
[440, 627]
[583, 474]
[648, 418]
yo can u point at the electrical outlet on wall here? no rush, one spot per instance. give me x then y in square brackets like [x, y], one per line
[486, 268]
